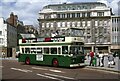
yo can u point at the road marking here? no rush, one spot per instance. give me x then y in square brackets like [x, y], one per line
[53, 70]
[39, 68]
[1, 66]
[58, 76]
[100, 70]
[57, 71]
[49, 77]
[22, 70]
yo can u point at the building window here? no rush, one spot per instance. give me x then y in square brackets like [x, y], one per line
[100, 23]
[89, 40]
[51, 24]
[63, 24]
[63, 15]
[68, 15]
[47, 25]
[83, 23]
[68, 24]
[58, 15]
[105, 30]
[78, 24]
[73, 24]
[59, 24]
[0, 32]
[105, 23]
[78, 15]
[1, 40]
[100, 14]
[73, 15]
[96, 23]
[88, 23]
[88, 14]
[43, 25]
[88, 31]
[83, 14]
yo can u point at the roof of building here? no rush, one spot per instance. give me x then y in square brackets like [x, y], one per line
[76, 3]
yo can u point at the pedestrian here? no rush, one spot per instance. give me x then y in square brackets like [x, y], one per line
[92, 57]
[3, 54]
[88, 55]
[101, 59]
[110, 60]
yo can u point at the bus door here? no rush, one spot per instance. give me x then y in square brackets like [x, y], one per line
[39, 55]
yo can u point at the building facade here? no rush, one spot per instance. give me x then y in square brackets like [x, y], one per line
[13, 19]
[92, 19]
[30, 29]
[8, 38]
[115, 33]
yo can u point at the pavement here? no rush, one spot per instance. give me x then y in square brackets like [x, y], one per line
[113, 68]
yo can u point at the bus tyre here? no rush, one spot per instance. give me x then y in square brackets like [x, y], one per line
[27, 61]
[55, 63]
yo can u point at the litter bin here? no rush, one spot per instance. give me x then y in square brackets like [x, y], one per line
[94, 62]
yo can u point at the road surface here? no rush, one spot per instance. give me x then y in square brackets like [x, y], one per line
[12, 70]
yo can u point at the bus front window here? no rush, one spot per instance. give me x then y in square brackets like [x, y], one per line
[64, 49]
[76, 50]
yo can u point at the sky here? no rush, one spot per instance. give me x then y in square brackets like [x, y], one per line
[27, 10]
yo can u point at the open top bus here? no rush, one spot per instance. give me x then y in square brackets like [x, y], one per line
[54, 51]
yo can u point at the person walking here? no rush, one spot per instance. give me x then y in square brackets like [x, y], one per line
[101, 59]
[110, 60]
[3, 54]
[92, 57]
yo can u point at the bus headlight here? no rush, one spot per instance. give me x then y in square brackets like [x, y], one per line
[71, 54]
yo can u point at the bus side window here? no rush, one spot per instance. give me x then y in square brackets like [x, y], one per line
[59, 50]
[23, 50]
[53, 50]
[46, 50]
[39, 50]
[33, 50]
[64, 49]
[27, 50]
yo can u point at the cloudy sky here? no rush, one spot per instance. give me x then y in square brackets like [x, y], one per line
[27, 10]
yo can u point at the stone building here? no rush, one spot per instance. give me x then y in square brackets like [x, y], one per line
[13, 19]
[115, 46]
[8, 38]
[30, 29]
[93, 20]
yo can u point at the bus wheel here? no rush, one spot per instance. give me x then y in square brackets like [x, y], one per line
[55, 63]
[27, 61]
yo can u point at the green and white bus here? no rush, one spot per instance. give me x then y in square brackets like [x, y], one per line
[54, 51]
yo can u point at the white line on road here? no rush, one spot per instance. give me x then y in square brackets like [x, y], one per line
[22, 70]
[49, 77]
[53, 70]
[58, 76]
[39, 68]
[57, 71]
[1, 66]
